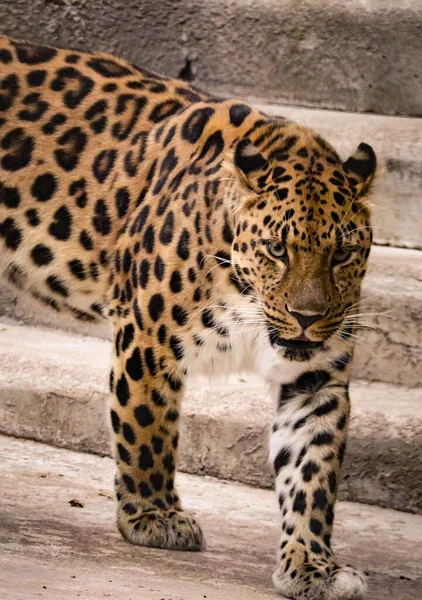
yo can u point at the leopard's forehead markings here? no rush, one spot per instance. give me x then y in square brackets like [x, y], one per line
[304, 192]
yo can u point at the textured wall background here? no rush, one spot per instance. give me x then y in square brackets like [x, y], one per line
[357, 55]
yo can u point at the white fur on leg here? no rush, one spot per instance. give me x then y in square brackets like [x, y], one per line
[348, 584]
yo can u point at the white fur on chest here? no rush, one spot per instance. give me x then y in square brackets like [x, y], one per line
[245, 349]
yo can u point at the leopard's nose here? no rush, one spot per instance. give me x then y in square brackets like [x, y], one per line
[305, 319]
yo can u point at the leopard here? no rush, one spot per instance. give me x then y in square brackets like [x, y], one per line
[213, 239]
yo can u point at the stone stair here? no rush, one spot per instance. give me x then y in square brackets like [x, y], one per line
[76, 552]
[53, 388]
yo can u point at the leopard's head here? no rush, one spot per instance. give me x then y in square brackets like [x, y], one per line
[303, 233]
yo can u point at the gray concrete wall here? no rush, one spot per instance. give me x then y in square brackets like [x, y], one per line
[356, 55]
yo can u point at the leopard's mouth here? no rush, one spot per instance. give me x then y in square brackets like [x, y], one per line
[299, 343]
[297, 349]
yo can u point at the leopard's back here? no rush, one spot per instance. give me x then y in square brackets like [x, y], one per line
[73, 131]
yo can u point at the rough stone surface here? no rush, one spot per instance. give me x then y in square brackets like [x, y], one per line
[52, 550]
[397, 192]
[53, 388]
[350, 55]
[390, 349]
[392, 297]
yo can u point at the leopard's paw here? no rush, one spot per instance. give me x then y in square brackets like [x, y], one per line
[320, 582]
[170, 529]
[347, 583]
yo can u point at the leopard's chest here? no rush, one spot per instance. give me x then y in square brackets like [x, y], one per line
[242, 349]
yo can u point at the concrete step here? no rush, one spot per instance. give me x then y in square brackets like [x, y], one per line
[354, 55]
[392, 292]
[53, 388]
[71, 552]
[392, 295]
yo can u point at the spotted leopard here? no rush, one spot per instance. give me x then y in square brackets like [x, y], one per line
[214, 239]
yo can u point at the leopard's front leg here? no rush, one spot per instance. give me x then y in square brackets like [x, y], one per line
[146, 390]
[307, 449]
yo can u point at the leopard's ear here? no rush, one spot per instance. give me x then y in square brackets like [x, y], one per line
[246, 164]
[248, 159]
[361, 167]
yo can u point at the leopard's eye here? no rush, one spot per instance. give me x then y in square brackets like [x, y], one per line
[341, 255]
[277, 249]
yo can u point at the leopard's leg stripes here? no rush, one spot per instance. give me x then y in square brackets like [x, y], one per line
[306, 449]
[146, 392]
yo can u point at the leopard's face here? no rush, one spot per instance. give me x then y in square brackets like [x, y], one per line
[301, 245]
